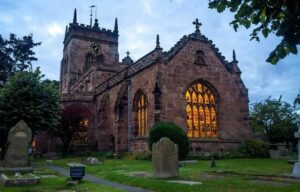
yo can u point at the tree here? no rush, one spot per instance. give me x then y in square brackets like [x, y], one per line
[297, 100]
[15, 55]
[275, 118]
[26, 96]
[276, 16]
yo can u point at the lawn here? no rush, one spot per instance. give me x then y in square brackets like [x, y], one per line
[234, 175]
[229, 175]
[57, 183]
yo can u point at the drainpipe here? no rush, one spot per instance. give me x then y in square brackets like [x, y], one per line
[129, 113]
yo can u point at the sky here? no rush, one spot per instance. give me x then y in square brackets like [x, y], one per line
[139, 22]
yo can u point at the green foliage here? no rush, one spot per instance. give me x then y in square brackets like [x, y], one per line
[144, 155]
[26, 96]
[174, 133]
[15, 55]
[276, 16]
[254, 148]
[297, 100]
[229, 175]
[275, 118]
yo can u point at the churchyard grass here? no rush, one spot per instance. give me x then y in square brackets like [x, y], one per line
[229, 175]
[56, 184]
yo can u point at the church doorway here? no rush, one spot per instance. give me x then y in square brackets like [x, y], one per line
[76, 122]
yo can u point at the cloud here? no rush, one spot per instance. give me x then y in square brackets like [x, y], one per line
[6, 19]
[27, 18]
[54, 30]
[139, 22]
[147, 6]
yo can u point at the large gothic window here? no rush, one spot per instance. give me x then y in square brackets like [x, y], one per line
[141, 109]
[201, 111]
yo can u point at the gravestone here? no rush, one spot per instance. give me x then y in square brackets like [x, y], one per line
[165, 159]
[19, 140]
[92, 161]
[296, 169]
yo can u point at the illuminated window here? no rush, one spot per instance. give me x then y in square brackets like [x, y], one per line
[33, 145]
[201, 111]
[80, 135]
[141, 109]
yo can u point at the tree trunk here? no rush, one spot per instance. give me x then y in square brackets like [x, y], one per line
[66, 143]
[3, 140]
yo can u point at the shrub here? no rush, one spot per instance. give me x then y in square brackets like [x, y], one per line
[174, 133]
[255, 148]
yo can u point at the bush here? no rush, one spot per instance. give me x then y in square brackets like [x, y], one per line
[215, 155]
[174, 133]
[255, 148]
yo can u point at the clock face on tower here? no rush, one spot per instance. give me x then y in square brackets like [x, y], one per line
[95, 48]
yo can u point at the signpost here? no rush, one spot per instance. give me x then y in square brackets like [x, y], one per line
[77, 171]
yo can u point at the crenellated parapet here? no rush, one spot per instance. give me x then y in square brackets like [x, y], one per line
[92, 33]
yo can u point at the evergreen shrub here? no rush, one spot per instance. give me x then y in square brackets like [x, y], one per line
[175, 133]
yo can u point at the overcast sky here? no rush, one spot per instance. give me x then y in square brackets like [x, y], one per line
[139, 22]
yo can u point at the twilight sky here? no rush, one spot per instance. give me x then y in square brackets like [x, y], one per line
[139, 22]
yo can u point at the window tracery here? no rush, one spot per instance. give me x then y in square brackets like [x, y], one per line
[201, 111]
[141, 109]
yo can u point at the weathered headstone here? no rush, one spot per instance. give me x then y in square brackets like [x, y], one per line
[92, 161]
[296, 169]
[19, 140]
[165, 159]
[275, 154]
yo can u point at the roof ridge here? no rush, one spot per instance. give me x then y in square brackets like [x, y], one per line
[167, 55]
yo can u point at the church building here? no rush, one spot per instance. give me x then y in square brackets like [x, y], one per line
[116, 101]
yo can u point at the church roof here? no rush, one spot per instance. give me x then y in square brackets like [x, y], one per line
[166, 56]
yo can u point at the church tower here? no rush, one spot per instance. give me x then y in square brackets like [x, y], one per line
[90, 56]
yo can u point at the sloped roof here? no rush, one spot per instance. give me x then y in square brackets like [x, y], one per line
[166, 56]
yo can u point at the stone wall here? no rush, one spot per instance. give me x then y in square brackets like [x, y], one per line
[232, 102]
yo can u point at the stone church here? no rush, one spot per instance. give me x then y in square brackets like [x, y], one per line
[117, 102]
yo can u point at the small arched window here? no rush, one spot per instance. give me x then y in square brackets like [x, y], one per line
[140, 103]
[201, 111]
[199, 58]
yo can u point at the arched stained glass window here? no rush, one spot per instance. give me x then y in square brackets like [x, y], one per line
[141, 109]
[201, 111]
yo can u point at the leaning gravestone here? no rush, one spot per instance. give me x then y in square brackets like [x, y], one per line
[19, 140]
[165, 159]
